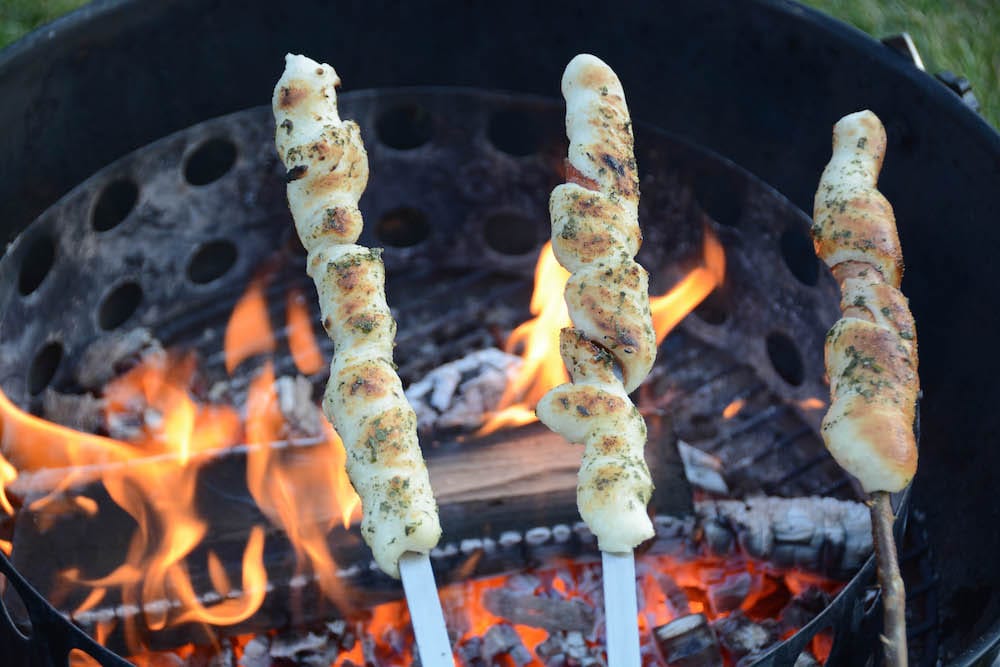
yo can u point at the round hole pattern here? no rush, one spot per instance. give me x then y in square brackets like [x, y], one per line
[514, 133]
[402, 227]
[44, 366]
[785, 358]
[119, 305]
[719, 196]
[114, 204]
[35, 265]
[800, 257]
[713, 309]
[212, 261]
[511, 233]
[404, 127]
[210, 161]
[14, 609]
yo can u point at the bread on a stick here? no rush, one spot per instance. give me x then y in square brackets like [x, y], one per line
[327, 171]
[595, 235]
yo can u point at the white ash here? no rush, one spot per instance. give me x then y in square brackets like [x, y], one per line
[462, 393]
[502, 639]
[256, 652]
[702, 470]
[111, 355]
[743, 637]
[569, 649]
[82, 412]
[295, 400]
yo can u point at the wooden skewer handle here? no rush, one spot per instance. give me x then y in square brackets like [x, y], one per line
[890, 580]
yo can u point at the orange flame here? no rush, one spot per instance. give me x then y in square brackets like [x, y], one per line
[669, 309]
[304, 490]
[301, 485]
[538, 338]
[8, 474]
[812, 403]
[301, 341]
[538, 342]
[733, 408]
[248, 332]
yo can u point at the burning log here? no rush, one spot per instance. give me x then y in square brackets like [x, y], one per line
[550, 614]
[743, 637]
[821, 535]
[688, 642]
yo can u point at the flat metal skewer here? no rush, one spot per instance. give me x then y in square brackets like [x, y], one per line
[426, 616]
[621, 609]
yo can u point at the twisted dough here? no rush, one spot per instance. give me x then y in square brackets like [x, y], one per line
[327, 173]
[595, 235]
[871, 353]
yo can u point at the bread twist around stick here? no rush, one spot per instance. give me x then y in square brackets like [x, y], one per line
[595, 235]
[871, 353]
[327, 173]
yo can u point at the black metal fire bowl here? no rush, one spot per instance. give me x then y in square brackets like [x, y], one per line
[759, 82]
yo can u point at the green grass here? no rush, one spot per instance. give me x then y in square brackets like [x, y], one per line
[19, 16]
[959, 35]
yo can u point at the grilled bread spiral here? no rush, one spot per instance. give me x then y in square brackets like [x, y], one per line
[595, 235]
[871, 352]
[327, 171]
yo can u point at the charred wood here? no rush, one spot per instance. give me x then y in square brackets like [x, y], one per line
[688, 641]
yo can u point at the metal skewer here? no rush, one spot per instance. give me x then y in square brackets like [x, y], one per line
[621, 609]
[426, 616]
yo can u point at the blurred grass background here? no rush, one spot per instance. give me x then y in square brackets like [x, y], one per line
[958, 35]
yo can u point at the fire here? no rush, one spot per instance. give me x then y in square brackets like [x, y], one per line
[669, 309]
[304, 490]
[248, 332]
[301, 341]
[298, 482]
[538, 343]
[812, 403]
[537, 340]
[733, 408]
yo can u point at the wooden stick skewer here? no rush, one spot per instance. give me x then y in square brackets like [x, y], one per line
[890, 580]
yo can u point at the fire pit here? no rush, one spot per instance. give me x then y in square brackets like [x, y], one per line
[750, 353]
[741, 384]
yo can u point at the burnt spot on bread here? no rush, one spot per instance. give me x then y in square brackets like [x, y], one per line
[369, 381]
[290, 95]
[295, 173]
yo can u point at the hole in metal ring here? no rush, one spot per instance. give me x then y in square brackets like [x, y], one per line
[35, 265]
[404, 127]
[119, 305]
[114, 204]
[511, 233]
[210, 161]
[800, 257]
[785, 358]
[402, 227]
[43, 366]
[212, 261]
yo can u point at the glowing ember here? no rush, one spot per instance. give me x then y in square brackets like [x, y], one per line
[812, 404]
[733, 408]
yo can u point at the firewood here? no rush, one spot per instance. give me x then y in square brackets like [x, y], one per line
[688, 642]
